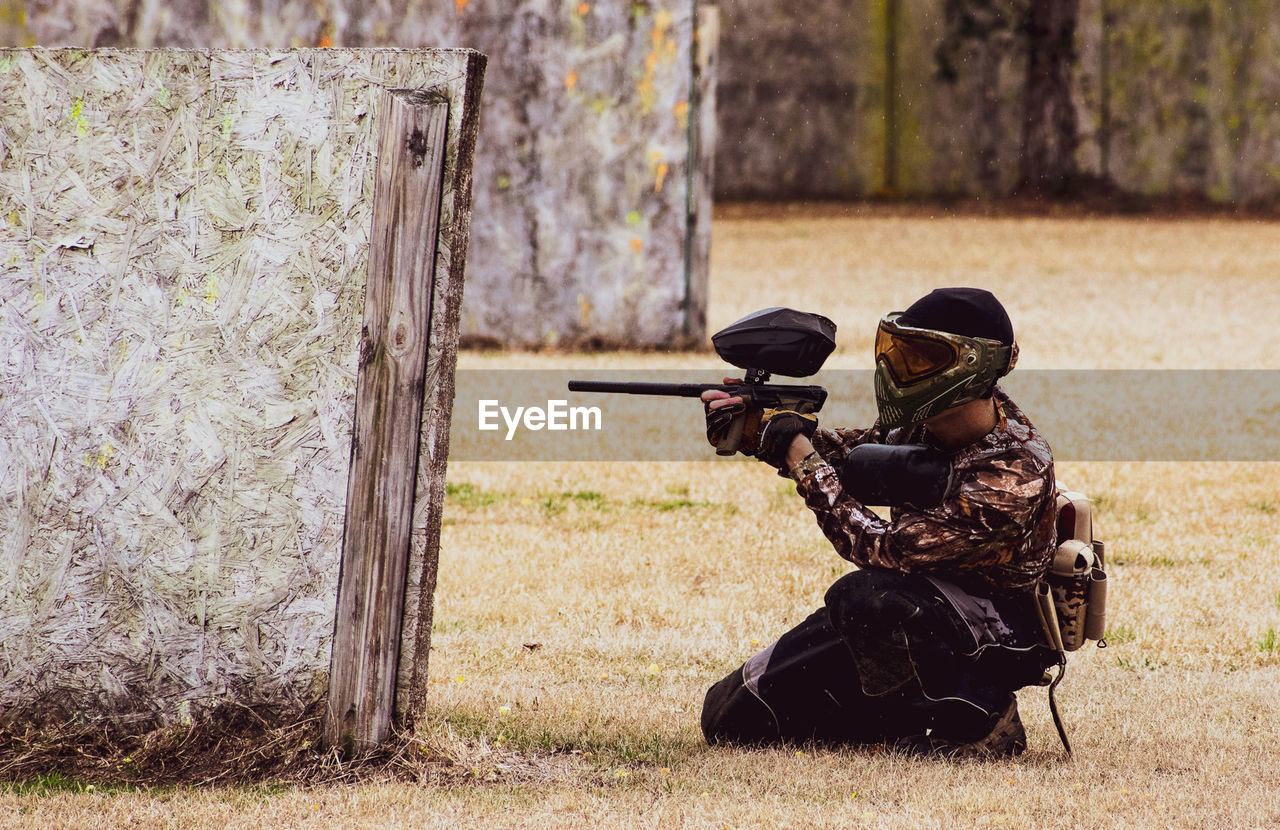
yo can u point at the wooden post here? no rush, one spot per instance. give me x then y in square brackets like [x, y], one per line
[389, 400]
[411, 697]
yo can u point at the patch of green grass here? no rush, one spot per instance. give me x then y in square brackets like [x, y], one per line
[1120, 633]
[1145, 663]
[1267, 642]
[470, 497]
[587, 498]
[267, 790]
[647, 749]
[554, 504]
[1261, 506]
[442, 626]
[664, 505]
[52, 783]
[681, 503]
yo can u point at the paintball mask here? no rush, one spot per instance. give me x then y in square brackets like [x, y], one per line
[920, 372]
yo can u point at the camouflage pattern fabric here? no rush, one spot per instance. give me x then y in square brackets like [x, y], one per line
[994, 528]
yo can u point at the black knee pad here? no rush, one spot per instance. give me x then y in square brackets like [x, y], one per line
[732, 714]
[872, 604]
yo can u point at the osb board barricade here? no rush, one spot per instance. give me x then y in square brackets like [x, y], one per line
[183, 254]
[582, 207]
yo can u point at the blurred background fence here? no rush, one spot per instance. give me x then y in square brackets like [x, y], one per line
[854, 98]
[595, 162]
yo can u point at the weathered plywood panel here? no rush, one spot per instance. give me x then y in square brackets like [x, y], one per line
[581, 228]
[183, 252]
[581, 224]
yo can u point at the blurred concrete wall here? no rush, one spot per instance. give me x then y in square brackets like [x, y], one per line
[1172, 97]
[585, 222]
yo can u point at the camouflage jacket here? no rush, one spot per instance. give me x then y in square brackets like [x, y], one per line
[994, 527]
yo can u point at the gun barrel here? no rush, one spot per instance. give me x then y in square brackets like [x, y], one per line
[765, 395]
[671, 390]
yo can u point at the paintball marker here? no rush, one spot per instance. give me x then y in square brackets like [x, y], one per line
[772, 341]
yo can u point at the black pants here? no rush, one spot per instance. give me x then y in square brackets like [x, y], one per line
[885, 657]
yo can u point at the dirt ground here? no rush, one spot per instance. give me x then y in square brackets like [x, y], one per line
[583, 608]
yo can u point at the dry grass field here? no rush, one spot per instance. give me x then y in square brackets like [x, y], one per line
[583, 608]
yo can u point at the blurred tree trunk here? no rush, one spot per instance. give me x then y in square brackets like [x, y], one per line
[1193, 66]
[1244, 69]
[988, 136]
[980, 34]
[1049, 129]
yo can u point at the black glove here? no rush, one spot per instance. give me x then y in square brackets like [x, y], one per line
[778, 428]
[733, 428]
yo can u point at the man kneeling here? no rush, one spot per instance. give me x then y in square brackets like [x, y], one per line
[922, 647]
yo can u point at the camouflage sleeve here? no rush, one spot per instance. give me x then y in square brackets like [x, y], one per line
[832, 444]
[983, 523]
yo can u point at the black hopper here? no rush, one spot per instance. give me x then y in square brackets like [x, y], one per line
[777, 341]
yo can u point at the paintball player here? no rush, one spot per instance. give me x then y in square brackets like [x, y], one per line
[923, 646]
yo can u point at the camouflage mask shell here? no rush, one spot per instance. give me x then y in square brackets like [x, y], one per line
[979, 364]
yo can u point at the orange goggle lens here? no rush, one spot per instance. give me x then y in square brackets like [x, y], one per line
[913, 358]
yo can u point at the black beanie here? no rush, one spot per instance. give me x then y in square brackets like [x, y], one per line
[971, 312]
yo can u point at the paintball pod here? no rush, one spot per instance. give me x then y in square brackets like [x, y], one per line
[772, 341]
[896, 475]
